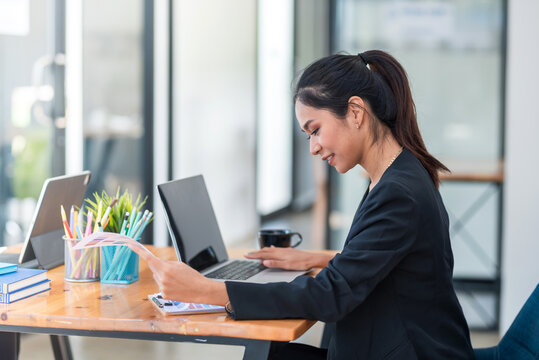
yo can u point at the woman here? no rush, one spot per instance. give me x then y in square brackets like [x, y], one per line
[390, 290]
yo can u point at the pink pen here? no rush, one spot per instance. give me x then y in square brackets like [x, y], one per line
[89, 224]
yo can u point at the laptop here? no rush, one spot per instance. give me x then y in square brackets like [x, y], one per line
[197, 239]
[43, 246]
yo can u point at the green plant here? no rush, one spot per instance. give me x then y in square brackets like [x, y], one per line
[121, 204]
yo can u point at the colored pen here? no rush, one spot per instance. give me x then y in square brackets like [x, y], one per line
[132, 218]
[99, 227]
[76, 225]
[98, 215]
[80, 221]
[148, 219]
[126, 217]
[105, 218]
[145, 219]
[126, 230]
[89, 223]
[138, 223]
[139, 216]
[137, 228]
[79, 232]
[134, 229]
[72, 220]
[64, 221]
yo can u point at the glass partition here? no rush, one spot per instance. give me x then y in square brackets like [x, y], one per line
[31, 132]
[454, 54]
[113, 125]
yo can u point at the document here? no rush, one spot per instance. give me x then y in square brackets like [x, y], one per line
[100, 239]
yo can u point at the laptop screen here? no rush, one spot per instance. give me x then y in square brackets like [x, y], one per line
[192, 222]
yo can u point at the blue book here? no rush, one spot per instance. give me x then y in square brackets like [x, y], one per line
[6, 268]
[25, 292]
[21, 279]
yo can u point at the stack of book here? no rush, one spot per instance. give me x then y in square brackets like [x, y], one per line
[17, 284]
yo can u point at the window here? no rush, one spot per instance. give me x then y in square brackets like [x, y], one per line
[453, 52]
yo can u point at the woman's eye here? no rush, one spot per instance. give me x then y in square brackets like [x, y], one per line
[312, 134]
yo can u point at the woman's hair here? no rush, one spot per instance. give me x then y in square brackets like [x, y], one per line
[377, 78]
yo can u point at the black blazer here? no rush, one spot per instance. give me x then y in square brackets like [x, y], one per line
[390, 290]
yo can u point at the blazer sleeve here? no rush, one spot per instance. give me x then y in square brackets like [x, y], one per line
[383, 232]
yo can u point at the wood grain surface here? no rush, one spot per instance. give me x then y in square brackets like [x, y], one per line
[105, 307]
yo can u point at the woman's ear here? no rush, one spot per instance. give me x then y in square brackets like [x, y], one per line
[356, 110]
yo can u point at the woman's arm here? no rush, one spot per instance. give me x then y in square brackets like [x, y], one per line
[181, 282]
[290, 258]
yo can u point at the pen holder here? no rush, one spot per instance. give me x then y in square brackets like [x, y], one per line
[119, 265]
[80, 265]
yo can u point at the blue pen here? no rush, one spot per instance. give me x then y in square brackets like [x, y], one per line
[132, 217]
[138, 223]
[135, 228]
[79, 233]
[139, 233]
[137, 218]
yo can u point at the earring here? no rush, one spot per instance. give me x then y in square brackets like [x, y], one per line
[357, 126]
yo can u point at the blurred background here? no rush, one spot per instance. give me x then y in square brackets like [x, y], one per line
[145, 91]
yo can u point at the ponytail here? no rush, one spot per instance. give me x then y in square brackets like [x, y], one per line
[378, 78]
[405, 128]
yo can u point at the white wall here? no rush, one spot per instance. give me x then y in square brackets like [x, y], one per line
[520, 251]
[214, 106]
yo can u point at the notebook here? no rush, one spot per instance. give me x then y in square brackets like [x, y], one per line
[43, 246]
[21, 279]
[197, 239]
[6, 268]
[25, 292]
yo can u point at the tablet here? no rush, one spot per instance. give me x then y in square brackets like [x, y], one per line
[43, 246]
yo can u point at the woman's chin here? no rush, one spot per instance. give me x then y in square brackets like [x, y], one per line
[341, 170]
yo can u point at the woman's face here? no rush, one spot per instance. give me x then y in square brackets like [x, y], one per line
[336, 140]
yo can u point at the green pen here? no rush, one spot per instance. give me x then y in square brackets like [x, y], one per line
[126, 217]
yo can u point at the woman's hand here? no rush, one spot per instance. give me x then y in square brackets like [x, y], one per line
[178, 281]
[289, 258]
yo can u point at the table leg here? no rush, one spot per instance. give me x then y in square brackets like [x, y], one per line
[10, 343]
[256, 349]
[61, 347]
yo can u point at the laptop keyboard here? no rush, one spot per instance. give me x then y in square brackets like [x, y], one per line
[237, 270]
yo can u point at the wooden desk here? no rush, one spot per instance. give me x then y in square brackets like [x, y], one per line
[124, 311]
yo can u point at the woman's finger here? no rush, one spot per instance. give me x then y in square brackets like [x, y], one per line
[143, 253]
[273, 263]
[263, 253]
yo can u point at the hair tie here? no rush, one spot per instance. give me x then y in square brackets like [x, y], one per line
[362, 56]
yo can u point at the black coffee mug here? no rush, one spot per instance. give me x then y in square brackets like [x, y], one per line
[278, 238]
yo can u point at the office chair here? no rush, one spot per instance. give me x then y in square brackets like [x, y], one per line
[521, 341]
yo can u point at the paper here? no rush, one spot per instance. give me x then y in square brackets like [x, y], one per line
[100, 239]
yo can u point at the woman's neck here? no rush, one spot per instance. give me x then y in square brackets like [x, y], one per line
[379, 157]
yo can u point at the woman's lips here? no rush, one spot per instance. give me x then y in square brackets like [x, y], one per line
[331, 159]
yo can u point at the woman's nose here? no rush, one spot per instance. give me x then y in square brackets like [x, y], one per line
[314, 147]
